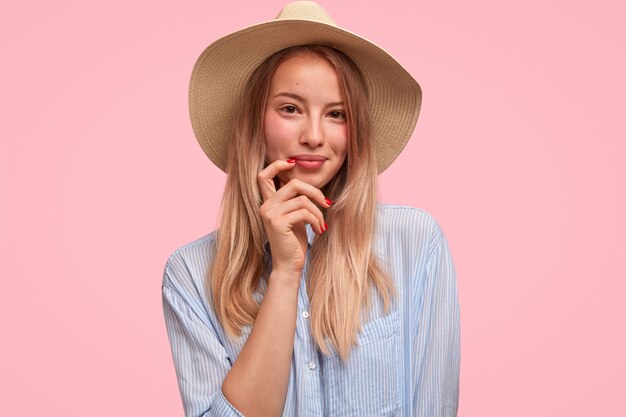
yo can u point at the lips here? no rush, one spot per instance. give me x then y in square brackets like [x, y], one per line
[309, 161]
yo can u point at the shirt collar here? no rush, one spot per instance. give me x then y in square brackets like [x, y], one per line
[310, 234]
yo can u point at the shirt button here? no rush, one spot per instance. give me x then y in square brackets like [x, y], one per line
[305, 314]
[312, 365]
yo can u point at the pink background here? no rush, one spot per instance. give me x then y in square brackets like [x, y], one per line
[518, 154]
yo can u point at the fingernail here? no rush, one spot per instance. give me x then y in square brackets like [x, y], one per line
[325, 227]
[291, 161]
[328, 201]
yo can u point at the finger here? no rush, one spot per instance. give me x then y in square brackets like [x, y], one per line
[295, 204]
[297, 187]
[304, 215]
[265, 177]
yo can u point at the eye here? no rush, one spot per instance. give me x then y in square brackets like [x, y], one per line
[336, 114]
[290, 109]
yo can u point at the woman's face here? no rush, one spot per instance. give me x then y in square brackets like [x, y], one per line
[305, 120]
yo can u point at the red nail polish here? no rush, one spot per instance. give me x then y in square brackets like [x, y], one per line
[328, 201]
[325, 227]
[291, 161]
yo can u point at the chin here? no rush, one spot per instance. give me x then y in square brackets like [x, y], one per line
[315, 179]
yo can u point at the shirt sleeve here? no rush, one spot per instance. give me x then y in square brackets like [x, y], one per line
[201, 362]
[437, 341]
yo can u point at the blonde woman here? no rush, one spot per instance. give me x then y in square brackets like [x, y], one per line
[310, 298]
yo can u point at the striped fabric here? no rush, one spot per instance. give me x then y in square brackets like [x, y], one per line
[406, 361]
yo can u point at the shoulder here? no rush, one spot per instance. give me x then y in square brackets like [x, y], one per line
[406, 235]
[407, 221]
[186, 268]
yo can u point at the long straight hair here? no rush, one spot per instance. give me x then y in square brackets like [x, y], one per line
[342, 268]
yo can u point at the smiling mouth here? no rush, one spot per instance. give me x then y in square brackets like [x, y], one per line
[309, 161]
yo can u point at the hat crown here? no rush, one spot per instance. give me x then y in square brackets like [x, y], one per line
[305, 10]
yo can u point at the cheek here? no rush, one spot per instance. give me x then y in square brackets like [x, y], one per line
[272, 134]
[278, 136]
[272, 144]
[340, 141]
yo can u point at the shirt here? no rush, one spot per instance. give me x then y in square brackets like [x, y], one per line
[405, 362]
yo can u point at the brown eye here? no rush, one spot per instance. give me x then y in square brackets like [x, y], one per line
[290, 109]
[336, 114]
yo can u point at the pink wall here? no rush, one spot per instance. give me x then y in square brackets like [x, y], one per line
[518, 154]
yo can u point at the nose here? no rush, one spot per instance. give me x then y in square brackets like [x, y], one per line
[313, 136]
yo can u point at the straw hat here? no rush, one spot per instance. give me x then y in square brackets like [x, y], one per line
[223, 68]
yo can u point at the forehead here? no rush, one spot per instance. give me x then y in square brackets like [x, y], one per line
[306, 70]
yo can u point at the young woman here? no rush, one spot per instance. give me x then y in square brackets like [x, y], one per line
[310, 298]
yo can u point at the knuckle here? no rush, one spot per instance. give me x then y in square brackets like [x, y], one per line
[273, 222]
[296, 182]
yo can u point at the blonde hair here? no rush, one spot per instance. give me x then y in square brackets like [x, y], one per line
[342, 268]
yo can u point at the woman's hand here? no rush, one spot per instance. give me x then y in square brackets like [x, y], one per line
[284, 214]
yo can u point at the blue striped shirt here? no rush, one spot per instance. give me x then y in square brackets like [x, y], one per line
[405, 363]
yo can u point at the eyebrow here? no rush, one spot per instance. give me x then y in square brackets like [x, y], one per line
[299, 98]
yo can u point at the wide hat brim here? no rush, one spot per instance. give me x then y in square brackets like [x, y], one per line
[223, 68]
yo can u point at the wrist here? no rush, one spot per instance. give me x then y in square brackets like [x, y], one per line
[286, 279]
